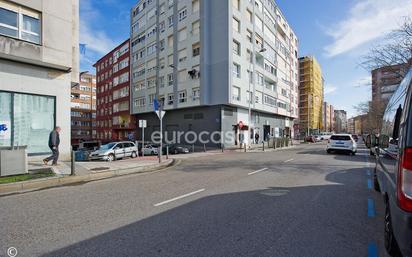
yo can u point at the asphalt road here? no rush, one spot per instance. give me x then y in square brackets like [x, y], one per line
[297, 202]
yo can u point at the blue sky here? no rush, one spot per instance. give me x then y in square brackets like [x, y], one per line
[338, 33]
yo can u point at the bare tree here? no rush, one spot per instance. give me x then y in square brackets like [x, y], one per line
[395, 49]
[373, 115]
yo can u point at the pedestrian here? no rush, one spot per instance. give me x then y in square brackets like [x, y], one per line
[257, 138]
[54, 142]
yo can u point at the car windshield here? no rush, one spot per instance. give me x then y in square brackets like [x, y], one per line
[107, 146]
[340, 138]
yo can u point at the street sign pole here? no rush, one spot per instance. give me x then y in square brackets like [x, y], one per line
[161, 132]
[142, 141]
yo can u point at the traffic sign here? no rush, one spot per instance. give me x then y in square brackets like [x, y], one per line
[160, 114]
[142, 124]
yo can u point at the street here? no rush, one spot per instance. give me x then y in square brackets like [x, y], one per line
[295, 202]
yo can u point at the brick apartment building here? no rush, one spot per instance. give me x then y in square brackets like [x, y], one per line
[386, 80]
[113, 119]
[83, 110]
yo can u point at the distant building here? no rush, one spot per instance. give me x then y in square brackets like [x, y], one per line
[113, 119]
[83, 115]
[341, 121]
[386, 80]
[39, 63]
[328, 116]
[351, 126]
[311, 96]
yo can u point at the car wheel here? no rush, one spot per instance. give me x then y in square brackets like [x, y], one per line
[152, 153]
[110, 158]
[390, 242]
[134, 155]
[376, 182]
[328, 151]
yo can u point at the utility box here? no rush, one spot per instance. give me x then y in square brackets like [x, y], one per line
[13, 161]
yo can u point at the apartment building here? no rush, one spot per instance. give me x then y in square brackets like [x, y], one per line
[341, 121]
[328, 115]
[385, 81]
[351, 126]
[38, 66]
[209, 62]
[310, 96]
[83, 110]
[113, 119]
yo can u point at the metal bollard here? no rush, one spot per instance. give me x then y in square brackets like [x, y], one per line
[263, 143]
[204, 148]
[167, 152]
[73, 163]
[193, 148]
[223, 148]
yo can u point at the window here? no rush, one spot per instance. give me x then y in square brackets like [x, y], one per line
[170, 41]
[151, 49]
[182, 14]
[195, 27]
[195, 6]
[140, 102]
[183, 96]
[249, 36]
[195, 94]
[151, 98]
[249, 16]
[170, 79]
[19, 22]
[33, 120]
[236, 93]
[196, 49]
[236, 4]
[236, 70]
[236, 47]
[182, 55]
[170, 99]
[236, 24]
[170, 21]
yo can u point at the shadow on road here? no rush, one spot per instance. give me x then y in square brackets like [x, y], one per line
[318, 220]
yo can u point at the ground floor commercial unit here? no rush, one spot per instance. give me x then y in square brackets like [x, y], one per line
[214, 125]
[33, 100]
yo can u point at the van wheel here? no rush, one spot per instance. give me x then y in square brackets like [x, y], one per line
[134, 155]
[110, 158]
[390, 241]
[375, 182]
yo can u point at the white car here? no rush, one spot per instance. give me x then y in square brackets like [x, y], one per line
[113, 151]
[150, 150]
[342, 143]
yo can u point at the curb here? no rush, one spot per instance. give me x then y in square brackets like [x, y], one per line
[45, 183]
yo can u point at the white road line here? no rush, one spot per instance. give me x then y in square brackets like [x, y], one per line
[179, 197]
[257, 171]
[288, 160]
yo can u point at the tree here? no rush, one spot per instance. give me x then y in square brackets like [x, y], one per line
[373, 112]
[396, 49]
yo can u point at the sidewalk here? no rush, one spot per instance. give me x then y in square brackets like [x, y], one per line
[85, 172]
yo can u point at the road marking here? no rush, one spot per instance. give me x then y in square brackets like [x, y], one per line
[371, 208]
[257, 171]
[372, 250]
[289, 160]
[369, 184]
[179, 197]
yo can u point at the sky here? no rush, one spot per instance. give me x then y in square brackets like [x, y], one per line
[338, 33]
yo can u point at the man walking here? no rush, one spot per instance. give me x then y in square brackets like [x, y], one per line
[54, 142]
[257, 138]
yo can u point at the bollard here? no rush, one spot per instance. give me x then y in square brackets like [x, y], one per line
[193, 148]
[73, 163]
[159, 154]
[274, 143]
[263, 143]
[167, 152]
[245, 147]
[223, 148]
[204, 148]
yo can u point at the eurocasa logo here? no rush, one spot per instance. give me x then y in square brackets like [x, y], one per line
[3, 127]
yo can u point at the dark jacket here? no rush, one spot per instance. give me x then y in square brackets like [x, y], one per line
[54, 139]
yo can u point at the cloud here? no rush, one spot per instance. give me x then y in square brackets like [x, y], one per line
[329, 89]
[363, 82]
[367, 20]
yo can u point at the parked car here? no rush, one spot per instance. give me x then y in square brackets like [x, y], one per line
[317, 138]
[176, 149]
[150, 150]
[393, 170]
[342, 143]
[114, 151]
[310, 139]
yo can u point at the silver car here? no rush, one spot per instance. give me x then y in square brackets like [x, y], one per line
[114, 151]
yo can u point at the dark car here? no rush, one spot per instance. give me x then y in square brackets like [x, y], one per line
[393, 171]
[176, 149]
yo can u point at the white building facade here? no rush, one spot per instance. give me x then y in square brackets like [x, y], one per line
[39, 62]
[215, 65]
